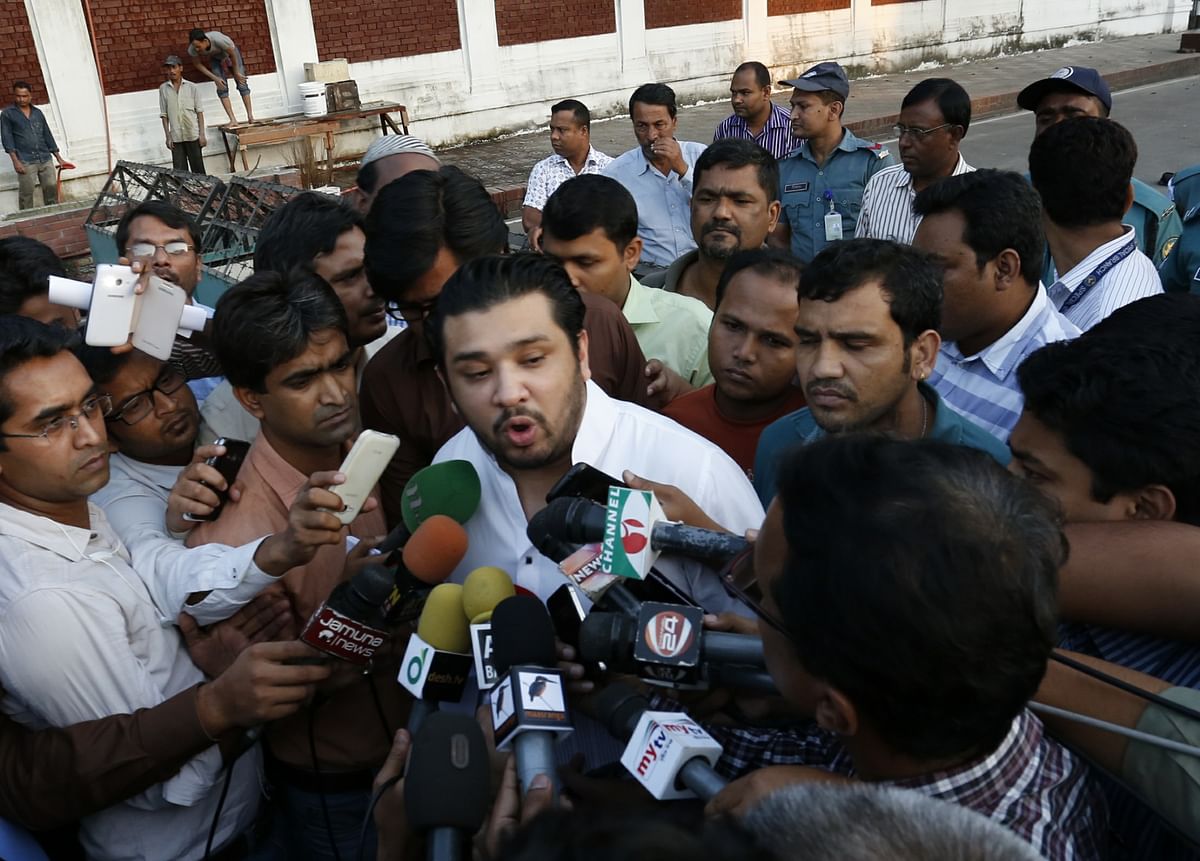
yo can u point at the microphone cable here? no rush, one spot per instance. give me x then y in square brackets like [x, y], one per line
[312, 750]
[1150, 696]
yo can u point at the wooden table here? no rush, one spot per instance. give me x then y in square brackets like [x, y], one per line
[286, 128]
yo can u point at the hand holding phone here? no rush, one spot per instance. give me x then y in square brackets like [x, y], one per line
[227, 465]
[363, 466]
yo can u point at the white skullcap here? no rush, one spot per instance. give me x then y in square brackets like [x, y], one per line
[394, 145]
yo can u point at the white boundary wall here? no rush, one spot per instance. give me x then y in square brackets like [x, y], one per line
[485, 89]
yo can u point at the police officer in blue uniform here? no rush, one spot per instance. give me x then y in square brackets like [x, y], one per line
[821, 181]
[1180, 272]
[1077, 91]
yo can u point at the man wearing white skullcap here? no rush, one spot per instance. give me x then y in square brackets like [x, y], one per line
[389, 158]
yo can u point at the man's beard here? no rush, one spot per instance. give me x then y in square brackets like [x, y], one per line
[562, 439]
[720, 251]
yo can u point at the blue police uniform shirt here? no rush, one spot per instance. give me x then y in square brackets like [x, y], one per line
[802, 187]
[1180, 271]
[800, 428]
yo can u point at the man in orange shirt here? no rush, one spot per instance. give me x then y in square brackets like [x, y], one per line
[283, 341]
[752, 354]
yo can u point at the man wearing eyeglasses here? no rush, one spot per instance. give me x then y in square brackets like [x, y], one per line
[79, 634]
[165, 239]
[934, 118]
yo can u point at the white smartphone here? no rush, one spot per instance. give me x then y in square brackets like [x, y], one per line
[158, 318]
[362, 467]
[111, 311]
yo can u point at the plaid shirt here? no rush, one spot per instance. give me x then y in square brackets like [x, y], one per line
[1030, 784]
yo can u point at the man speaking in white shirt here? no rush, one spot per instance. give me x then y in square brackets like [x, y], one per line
[509, 340]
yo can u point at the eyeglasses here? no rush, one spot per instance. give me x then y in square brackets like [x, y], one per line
[91, 409]
[918, 133]
[174, 248]
[411, 312]
[740, 582]
[138, 406]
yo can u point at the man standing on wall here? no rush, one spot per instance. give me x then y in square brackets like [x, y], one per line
[27, 139]
[182, 118]
[224, 59]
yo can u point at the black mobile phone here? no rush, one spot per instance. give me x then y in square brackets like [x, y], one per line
[228, 465]
[584, 480]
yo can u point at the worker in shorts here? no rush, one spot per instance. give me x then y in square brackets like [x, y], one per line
[223, 59]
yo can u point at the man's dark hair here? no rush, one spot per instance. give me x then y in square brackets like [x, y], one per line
[912, 282]
[101, 363]
[583, 117]
[168, 214]
[1001, 210]
[739, 152]
[1125, 397]
[591, 201]
[767, 262]
[489, 281]
[920, 582]
[25, 269]
[654, 94]
[268, 319]
[197, 33]
[1082, 168]
[23, 339]
[952, 100]
[422, 212]
[762, 77]
[22, 85]
[306, 226]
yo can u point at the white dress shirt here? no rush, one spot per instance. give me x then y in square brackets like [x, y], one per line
[135, 505]
[80, 639]
[1092, 290]
[613, 436]
[887, 201]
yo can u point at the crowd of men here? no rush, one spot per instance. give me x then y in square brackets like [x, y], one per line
[952, 410]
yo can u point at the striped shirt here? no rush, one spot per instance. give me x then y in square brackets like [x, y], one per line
[1030, 784]
[984, 387]
[1129, 279]
[775, 137]
[887, 201]
[549, 173]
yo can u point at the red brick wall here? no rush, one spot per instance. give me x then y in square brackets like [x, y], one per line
[19, 59]
[672, 13]
[361, 30]
[134, 36]
[795, 7]
[62, 231]
[555, 19]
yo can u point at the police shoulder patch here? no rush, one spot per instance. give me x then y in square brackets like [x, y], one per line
[1168, 245]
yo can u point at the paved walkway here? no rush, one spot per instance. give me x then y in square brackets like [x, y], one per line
[874, 102]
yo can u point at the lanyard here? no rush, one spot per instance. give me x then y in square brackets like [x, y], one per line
[1099, 272]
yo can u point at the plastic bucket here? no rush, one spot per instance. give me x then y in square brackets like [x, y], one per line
[312, 94]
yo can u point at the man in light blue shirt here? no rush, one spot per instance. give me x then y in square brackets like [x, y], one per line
[831, 165]
[658, 173]
[984, 229]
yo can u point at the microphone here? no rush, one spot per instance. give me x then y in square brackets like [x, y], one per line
[447, 789]
[667, 645]
[528, 702]
[428, 558]
[483, 590]
[632, 531]
[450, 488]
[350, 625]
[668, 753]
[437, 661]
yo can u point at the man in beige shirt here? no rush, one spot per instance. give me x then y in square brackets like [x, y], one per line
[182, 118]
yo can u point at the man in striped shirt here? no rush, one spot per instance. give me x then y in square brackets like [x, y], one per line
[1109, 431]
[755, 117]
[907, 690]
[934, 118]
[984, 229]
[1082, 168]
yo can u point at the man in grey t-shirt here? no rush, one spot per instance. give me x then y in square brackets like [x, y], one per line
[214, 48]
